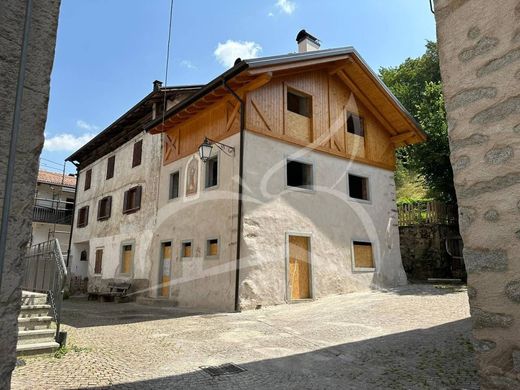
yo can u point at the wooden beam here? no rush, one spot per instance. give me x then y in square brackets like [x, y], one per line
[297, 64]
[399, 138]
[258, 82]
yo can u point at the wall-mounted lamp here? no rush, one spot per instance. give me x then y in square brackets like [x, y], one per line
[206, 147]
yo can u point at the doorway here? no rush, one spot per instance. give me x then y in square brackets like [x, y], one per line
[165, 269]
[299, 269]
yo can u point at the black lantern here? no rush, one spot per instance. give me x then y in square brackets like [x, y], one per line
[206, 147]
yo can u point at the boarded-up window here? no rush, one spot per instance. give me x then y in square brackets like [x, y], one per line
[358, 187]
[174, 185]
[186, 249]
[127, 255]
[104, 208]
[299, 103]
[363, 256]
[212, 172]
[88, 179]
[138, 152]
[212, 247]
[355, 124]
[132, 200]
[99, 261]
[111, 162]
[299, 174]
[83, 217]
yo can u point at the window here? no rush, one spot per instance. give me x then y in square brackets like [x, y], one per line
[127, 257]
[299, 103]
[212, 247]
[138, 152]
[83, 217]
[88, 179]
[70, 204]
[174, 185]
[299, 174]
[358, 187]
[186, 250]
[111, 162]
[355, 124]
[104, 208]
[99, 261]
[132, 200]
[363, 256]
[83, 256]
[212, 172]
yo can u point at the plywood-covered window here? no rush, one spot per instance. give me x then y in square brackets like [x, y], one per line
[82, 217]
[212, 247]
[132, 200]
[355, 124]
[363, 255]
[186, 249]
[111, 162]
[138, 153]
[127, 258]
[104, 208]
[299, 103]
[174, 185]
[299, 174]
[212, 172]
[358, 187]
[99, 261]
[88, 179]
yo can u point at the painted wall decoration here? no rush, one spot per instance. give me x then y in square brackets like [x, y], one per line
[192, 177]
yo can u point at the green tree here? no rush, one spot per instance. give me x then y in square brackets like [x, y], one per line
[417, 84]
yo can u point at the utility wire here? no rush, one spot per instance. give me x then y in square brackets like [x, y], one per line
[167, 61]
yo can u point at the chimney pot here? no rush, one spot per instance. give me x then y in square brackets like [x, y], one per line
[157, 85]
[307, 42]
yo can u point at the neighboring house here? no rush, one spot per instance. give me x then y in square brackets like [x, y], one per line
[318, 214]
[53, 208]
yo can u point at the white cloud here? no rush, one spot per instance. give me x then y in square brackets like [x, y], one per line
[270, 14]
[188, 64]
[86, 126]
[226, 53]
[286, 6]
[66, 142]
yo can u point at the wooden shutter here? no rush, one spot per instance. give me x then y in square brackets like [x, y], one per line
[138, 192]
[125, 201]
[138, 151]
[110, 167]
[99, 261]
[363, 255]
[88, 178]
[109, 207]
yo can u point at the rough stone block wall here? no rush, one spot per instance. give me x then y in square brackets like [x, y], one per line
[40, 56]
[479, 47]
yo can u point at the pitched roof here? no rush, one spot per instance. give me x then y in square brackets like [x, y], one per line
[56, 179]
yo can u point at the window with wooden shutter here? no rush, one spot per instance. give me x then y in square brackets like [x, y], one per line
[363, 255]
[355, 124]
[110, 167]
[88, 179]
[212, 248]
[132, 200]
[82, 217]
[104, 208]
[99, 261]
[127, 258]
[212, 172]
[174, 185]
[186, 249]
[138, 152]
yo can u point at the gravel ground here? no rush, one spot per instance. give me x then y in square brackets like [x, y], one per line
[411, 338]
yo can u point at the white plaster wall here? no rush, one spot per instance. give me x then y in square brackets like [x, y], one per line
[40, 233]
[333, 220]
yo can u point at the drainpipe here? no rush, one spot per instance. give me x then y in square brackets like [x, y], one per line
[73, 214]
[240, 178]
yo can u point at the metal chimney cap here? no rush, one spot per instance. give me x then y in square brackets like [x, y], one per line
[302, 35]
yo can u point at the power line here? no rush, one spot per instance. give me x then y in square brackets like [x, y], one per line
[167, 60]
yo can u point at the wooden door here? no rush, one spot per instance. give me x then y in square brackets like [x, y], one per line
[126, 266]
[164, 269]
[299, 267]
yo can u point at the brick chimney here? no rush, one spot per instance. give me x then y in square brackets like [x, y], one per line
[307, 42]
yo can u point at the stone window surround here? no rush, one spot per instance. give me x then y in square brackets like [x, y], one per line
[353, 260]
[121, 245]
[212, 257]
[181, 254]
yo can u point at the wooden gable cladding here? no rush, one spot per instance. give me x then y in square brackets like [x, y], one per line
[325, 130]
[217, 122]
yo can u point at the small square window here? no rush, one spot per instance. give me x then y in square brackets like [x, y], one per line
[104, 208]
[174, 185]
[212, 172]
[358, 187]
[88, 179]
[212, 247]
[363, 255]
[111, 162]
[186, 249]
[127, 258]
[82, 217]
[355, 124]
[299, 175]
[299, 103]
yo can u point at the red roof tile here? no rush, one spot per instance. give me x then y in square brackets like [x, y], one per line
[56, 178]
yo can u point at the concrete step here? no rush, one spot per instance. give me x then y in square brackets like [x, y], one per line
[37, 348]
[33, 323]
[36, 336]
[33, 298]
[34, 311]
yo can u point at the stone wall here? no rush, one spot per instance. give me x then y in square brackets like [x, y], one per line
[40, 55]
[479, 47]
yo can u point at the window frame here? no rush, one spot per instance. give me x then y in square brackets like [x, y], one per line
[299, 94]
[104, 217]
[181, 256]
[122, 246]
[139, 191]
[353, 242]
[85, 223]
[216, 156]
[369, 192]
[136, 161]
[178, 172]
[88, 180]
[300, 161]
[111, 163]
[361, 120]
[206, 249]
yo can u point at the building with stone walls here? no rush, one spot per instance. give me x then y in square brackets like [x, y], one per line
[479, 48]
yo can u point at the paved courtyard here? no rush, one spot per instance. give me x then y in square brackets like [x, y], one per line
[412, 338]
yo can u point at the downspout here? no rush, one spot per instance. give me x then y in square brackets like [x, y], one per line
[240, 178]
[73, 214]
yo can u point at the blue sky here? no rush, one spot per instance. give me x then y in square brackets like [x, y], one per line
[109, 52]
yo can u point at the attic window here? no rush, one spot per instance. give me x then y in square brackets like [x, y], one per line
[299, 103]
[137, 154]
[88, 179]
[299, 175]
[355, 125]
[111, 162]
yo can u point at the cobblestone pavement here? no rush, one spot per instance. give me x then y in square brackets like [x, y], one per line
[412, 338]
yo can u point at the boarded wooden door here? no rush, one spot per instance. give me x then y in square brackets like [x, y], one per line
[126, 266]
[299, 267]
[164, 270]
